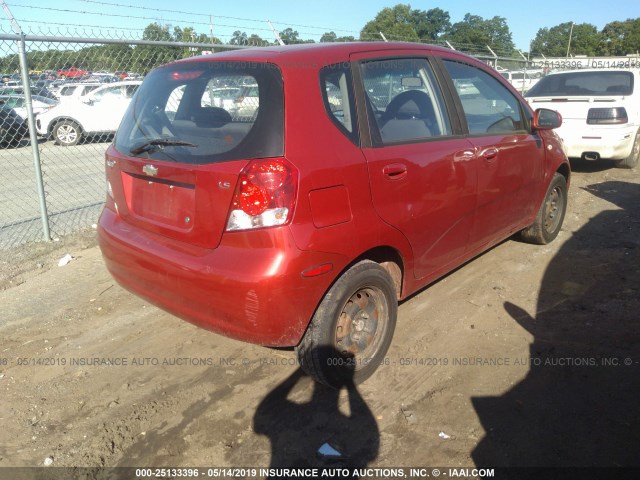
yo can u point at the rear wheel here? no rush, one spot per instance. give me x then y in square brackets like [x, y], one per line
[351, 331]
[632, 160]
[67, 133]
[549, 220]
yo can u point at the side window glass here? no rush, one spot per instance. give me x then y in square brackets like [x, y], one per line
[489, 106]
[404, 100]
[100, 95]
[337, 95]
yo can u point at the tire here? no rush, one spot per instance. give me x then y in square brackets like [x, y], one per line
[67, 133]
[351, 331]
[632, 160]
[548, 222]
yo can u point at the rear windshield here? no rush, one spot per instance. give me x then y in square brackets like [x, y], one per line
[206, 112]
[583, 83]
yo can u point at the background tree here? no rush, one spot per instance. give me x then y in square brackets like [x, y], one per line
[431, 24]
[475, 30]
[332, 37]
[238, 38]
[109, 57]
[620, 38]
[291, 37]
[256, 40]
[157, 32]
[150, 56]
[396, 23]
[554, 41]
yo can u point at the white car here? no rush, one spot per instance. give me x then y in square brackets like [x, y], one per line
[18, 103]
[600, 112]
[97, 113]
[522, 80]
[245, 105]
[73, 91]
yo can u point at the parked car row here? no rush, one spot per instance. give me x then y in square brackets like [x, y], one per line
[97, 112]
[86, 110]
[72, 73]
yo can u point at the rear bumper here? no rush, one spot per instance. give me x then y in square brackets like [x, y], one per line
[249, 288]
[610, 142]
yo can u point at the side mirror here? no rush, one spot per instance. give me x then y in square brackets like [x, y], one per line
[545, 119]
[86, 99]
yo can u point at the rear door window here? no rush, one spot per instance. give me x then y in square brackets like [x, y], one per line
[206, 112]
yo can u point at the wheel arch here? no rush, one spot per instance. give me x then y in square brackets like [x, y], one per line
[54, 123]
[564, 170]
[388, 258]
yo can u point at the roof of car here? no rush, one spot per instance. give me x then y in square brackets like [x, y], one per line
[311, 51]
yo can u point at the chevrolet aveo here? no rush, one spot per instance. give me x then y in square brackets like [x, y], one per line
[362, 173]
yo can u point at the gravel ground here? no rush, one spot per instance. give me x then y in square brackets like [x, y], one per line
[526, 356]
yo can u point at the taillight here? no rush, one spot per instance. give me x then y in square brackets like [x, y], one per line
[238, 100]
[265, 195]
[607, 116]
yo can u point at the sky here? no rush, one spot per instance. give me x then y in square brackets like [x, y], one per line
[310, 18]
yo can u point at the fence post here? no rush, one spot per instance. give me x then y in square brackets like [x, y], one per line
[33, 134]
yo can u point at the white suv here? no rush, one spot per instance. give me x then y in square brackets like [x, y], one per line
[600, 112]
[73, 91]
[97, 113]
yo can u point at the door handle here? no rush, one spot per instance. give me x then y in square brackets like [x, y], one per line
[489, 154]
[395, 171]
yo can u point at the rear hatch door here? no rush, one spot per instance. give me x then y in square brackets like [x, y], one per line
[177, 155]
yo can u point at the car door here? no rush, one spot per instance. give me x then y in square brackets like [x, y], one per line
[510, 158]
[422, 176]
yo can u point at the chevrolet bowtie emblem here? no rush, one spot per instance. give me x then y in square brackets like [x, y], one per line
[150, 170]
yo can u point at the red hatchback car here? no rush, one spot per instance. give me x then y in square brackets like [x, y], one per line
[367, 171]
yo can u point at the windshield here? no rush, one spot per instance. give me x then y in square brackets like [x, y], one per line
[583, 83]
[206, 112]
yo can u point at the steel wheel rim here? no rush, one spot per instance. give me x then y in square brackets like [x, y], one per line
[553, 210]
[361, 325]
[67, 134]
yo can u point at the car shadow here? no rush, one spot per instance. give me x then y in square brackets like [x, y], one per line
[317, 433]
[580, 165]
[578, 405]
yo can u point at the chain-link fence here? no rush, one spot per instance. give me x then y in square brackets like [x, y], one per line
[89, 82]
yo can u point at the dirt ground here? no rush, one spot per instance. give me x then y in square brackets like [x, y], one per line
[526, 356]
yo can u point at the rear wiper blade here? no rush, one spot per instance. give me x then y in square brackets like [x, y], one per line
[161, 142]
